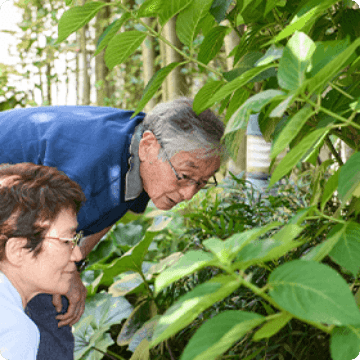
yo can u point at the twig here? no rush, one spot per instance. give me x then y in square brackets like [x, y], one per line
[169, 349]
[333, 150]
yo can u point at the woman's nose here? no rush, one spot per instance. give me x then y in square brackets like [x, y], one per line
[76, 254]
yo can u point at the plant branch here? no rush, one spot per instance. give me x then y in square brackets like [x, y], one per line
[260, 292]
[169, 349]
[341, 91]
[333, 150]
[153, 33]
[332, 114]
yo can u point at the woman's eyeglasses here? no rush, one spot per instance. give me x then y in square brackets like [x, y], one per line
[74, 241]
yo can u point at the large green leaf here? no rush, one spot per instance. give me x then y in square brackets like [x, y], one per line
[142, 352]
[131, 261]
[100, 313]
[332, 68]
[110, 32]
[189, 263]
[307, 15]
[238, 82]
[219, 333]
[238, 98]
[295, 155]
[76, 17]
[240, 118]
[145, 332]
[313, 292]
[345, 343]
[272, 53]
[121, 46]
[290, 130]
[319, 252]
[272, 326]
[153, 85]
[349, 177]
[346, 251]
[212, 44]
[235, 243]
[170, 8]
[188, 20]
[203, 95]
[295, 60]
[151, 8]
[326, 51]
[219, 9]
[189, 306]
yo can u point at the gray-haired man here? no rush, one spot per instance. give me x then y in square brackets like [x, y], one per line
[120, 163]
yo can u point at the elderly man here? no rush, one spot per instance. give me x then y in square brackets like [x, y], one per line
[120, 162]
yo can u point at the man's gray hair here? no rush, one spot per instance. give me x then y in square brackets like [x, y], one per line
[177, 128]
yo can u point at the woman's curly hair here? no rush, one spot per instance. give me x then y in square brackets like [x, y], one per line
[31, 197]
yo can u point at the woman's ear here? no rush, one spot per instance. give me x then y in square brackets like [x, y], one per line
[15, 251]
[148, 146]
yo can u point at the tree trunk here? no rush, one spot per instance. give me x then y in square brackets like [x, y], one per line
[85, 65]
[148, 56]
[176, 83]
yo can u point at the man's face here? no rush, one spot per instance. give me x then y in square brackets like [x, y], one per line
[159, 180]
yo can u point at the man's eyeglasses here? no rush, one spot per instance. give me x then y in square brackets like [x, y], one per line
[185, 181]
[74, 241]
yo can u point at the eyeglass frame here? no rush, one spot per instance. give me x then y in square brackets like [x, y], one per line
[178, 177]
[74, 241]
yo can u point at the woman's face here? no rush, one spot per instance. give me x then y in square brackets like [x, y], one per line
[51, 271]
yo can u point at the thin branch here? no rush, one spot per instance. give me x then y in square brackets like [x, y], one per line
[169, 349]
[333, 150]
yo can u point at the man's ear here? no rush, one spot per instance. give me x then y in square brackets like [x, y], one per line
[148, 146]
[15, 251]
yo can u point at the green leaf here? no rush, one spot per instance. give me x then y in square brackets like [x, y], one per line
[307, 15]
[237, 83]
[192, 261]
[150, 8]
[76, 17]
[313, 292]
[218, 249]
[331, 69]
[325, 52]
[131, 261]
[240, 118]
[346, 251]
[238, 98]
[154, 84]
[100, 313]
[271, 4]
[295, 155]
[145, 332]
[272, 326]
[330, 187]
[349, 177]
[345, 342]
[188, 20]
[170, 8]
[263, 251]
[272, 53]
[281, 108]
[291, 129]
[110, 32]
[133, 323]
[225, 329]
[295, 60]
[121, 46]
[212, 44]
[142, 352]
[189, 306]
[219, 9]
[320, 251]
[126, 285]
[200, 101]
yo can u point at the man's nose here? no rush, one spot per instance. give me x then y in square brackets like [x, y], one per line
[188, 192]
[76, 254]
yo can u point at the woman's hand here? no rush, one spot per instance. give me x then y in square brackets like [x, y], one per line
[76, 296]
